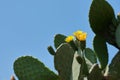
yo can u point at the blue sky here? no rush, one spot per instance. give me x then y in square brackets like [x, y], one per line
[27, 27]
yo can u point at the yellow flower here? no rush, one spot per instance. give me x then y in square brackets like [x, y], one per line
[80, 35]
[69, 38]
[77, 33]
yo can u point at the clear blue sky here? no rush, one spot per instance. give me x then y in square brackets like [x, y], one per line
[27, 27]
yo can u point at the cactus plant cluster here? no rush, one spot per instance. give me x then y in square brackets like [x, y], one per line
[73, 59]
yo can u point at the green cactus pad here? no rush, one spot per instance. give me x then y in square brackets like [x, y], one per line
[114, 67]
[63, 61]
[95, 73]
[100, 15]
[90, 55]
[101, 51]
[51, 50]
[83, 70]
[58, 40]
[103, 21]
[29, 68]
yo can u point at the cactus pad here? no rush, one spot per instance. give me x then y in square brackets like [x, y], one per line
[63, 61]
[95, 73]
[114, 67]
[58, 40]
[29, 68]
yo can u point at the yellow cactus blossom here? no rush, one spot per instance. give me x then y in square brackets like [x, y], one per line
[69, 38]
[80, 35]
[77, 33]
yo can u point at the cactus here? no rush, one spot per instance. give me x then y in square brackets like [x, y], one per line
[101, 17]
[58, 39]
[63, 61]
[72, 59]
[99, 44]
[90, 55]
[29, 68]
[95, 73]
[114, 67]
[51, 50]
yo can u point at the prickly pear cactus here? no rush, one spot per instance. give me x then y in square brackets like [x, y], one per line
[63, 61]
[95, 73]
[73, 59]
[58, 39]
[29, 68]
[114, 70]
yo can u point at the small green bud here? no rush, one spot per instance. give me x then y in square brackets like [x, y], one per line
[51, 50]
[79, 59]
